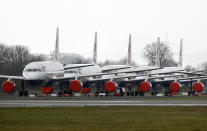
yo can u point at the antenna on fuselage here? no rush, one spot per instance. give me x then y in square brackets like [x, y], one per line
[95, 50]
[56, 58]
[129, 55]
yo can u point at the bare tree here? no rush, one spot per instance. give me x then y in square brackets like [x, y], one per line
[166, 55]
[14, 58]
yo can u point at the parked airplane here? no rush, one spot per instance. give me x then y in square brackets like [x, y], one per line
[41, 74]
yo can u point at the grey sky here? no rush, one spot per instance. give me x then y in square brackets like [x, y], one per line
[33, 23]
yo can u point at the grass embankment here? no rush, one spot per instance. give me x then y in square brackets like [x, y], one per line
[103, 118]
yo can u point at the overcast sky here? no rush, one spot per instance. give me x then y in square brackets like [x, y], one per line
[33, 23]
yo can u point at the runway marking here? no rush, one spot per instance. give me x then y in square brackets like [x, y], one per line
[84, 105]
[68, 101]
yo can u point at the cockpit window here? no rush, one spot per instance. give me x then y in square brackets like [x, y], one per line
[34, 70]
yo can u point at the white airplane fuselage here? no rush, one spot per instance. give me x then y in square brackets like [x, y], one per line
[38, 72]
[95, 69]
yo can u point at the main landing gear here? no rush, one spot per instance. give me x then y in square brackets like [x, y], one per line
[23, 92]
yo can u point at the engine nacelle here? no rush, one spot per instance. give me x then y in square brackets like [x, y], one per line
[175, 86]
[8, 86]
[85, 90]
[198, 87]
[75, 85]
[46, 90]
[145, 86]
[110, 86]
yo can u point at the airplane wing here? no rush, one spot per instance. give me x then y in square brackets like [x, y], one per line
[77, 66]
[199, 71]
[113, 78]
[137, 71]
[90, 75]
[190, 73]
[151, 78]
[115, 68]
[183, 80]
[167, 72]
[12, 77]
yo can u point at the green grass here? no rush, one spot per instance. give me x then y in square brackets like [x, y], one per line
[104, 118]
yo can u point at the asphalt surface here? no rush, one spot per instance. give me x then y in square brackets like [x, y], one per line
[86, 103]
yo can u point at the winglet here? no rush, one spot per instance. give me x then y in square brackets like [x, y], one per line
[57, 46]
[129, 56]
[95, 50]
[157, 62]
[181, 53]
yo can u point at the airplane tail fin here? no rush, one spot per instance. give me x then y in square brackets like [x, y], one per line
[129, 56]
[95, 50]
[157, 62]
[181, 54]
[57, 46]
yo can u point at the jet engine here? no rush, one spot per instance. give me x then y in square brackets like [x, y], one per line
[46, 90]
[85, 90]
[145, 86]
[8, 86]
[75, 85]
[175, 86]
[110, 86]
[198, 87]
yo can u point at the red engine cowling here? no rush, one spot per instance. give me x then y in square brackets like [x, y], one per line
[75, 85]
[85, 90]
[145, 86]
[8, 86]
[46, 90]
[110, 86]
[175, 86]
[198, 87]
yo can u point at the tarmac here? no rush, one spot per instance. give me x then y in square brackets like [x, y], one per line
[13, 102]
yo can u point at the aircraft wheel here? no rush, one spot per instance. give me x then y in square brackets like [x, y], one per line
[189, 93]
[136, 93]
[194, 93]
[59, 94]
[107, 94]
[20, 93]
[166, 93]
[26, 93]
[152, 93]
[96, 94]
[132, 93]
[141, 93]
[128, 94]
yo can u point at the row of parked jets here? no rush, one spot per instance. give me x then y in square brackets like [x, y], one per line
[109, 79]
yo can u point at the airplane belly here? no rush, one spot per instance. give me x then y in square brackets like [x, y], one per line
[39, 83]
